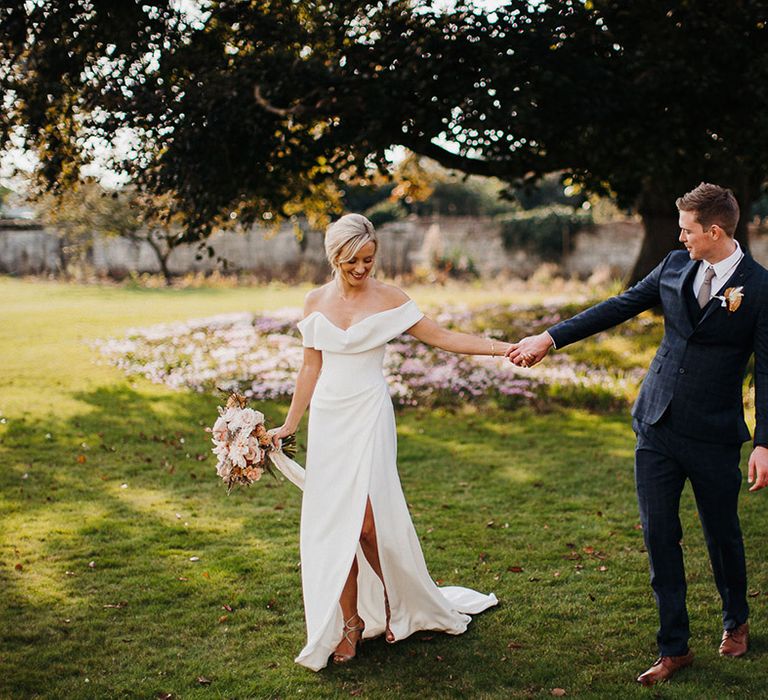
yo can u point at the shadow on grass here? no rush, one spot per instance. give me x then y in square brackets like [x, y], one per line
[528, 506]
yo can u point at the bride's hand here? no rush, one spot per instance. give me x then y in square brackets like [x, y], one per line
[277, 434]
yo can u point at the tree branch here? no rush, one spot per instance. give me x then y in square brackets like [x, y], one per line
[509, 168]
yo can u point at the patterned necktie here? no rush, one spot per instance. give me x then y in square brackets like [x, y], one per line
[705, 293]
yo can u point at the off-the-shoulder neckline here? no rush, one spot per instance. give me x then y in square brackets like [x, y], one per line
[356, 323]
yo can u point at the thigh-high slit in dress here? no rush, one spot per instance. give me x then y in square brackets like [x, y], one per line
[351, 457]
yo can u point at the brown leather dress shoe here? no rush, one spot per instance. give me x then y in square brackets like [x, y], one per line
[664, 668]
[736, 641]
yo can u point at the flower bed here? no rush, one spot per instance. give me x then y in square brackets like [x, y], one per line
[259, 356]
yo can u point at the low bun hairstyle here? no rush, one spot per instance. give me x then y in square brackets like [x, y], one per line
[345, 237]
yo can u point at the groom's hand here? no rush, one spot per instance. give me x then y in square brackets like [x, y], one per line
[531, 350]
[758, 468]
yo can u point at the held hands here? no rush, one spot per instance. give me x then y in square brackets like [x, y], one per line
[530, 351]
[758, 468]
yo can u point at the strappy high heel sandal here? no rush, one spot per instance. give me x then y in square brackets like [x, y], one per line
[349, 629]
[389, 636]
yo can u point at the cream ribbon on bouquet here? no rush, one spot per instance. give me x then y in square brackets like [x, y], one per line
[288, 468]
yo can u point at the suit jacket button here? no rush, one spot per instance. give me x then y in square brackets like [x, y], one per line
[681, 370]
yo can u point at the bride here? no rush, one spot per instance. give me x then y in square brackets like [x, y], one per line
[363, 572]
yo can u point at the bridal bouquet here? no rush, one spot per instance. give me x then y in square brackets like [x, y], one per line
[243, 445]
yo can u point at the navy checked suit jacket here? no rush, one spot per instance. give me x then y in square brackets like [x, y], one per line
[698, 370]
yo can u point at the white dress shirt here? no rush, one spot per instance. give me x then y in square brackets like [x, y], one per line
[723, 270]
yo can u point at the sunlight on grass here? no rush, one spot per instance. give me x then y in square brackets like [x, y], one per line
[171, 510]
[39, 540]
[537, 507]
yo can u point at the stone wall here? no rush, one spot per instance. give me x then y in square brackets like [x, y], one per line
[28, 249]
[609, 249]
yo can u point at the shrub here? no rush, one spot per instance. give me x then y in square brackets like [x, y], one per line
[386, 211]
[545, 231]
[456, 264]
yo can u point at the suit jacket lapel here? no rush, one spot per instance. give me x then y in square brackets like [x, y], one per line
[737, 279]
[686, 274]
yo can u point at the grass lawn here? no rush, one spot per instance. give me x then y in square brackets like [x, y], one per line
[107, 489]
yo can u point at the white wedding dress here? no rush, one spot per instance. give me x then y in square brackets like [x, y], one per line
[352, 456]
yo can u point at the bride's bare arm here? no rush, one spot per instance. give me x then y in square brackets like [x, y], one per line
[429, 332]
[305, 387]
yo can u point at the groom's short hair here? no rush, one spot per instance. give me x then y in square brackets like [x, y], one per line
[712, 204]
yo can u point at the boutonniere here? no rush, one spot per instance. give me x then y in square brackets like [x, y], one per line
[731, 298]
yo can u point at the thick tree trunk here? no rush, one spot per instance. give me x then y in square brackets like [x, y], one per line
[659, 213]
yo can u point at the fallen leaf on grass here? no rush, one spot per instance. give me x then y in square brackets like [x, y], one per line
[515, 569]
[202, 680]
[18, 567]
[357, 692]
[116, 605]
[164, 696]
[223, 618]
[558, 692]
[514, 645]
[602, 568]
[588, 550]
[183, 578]
[81, 459]
[753, 594]
[228, 608]
[92, 564]
[439, 658]
[194, 559]
[206, 574]
[639, 526]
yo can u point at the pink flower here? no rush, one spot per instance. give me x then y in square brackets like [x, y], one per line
[238, 449]
[246, 419]
[220, 430]
[220, 449]
[254, 455]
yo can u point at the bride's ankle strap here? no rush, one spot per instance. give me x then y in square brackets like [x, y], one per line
[349, 626]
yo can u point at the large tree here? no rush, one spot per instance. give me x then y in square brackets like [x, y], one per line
[249, 110]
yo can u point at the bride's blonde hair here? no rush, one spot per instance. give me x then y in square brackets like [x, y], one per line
[345, 237]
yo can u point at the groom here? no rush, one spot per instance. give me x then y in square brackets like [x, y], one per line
[689, 417]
